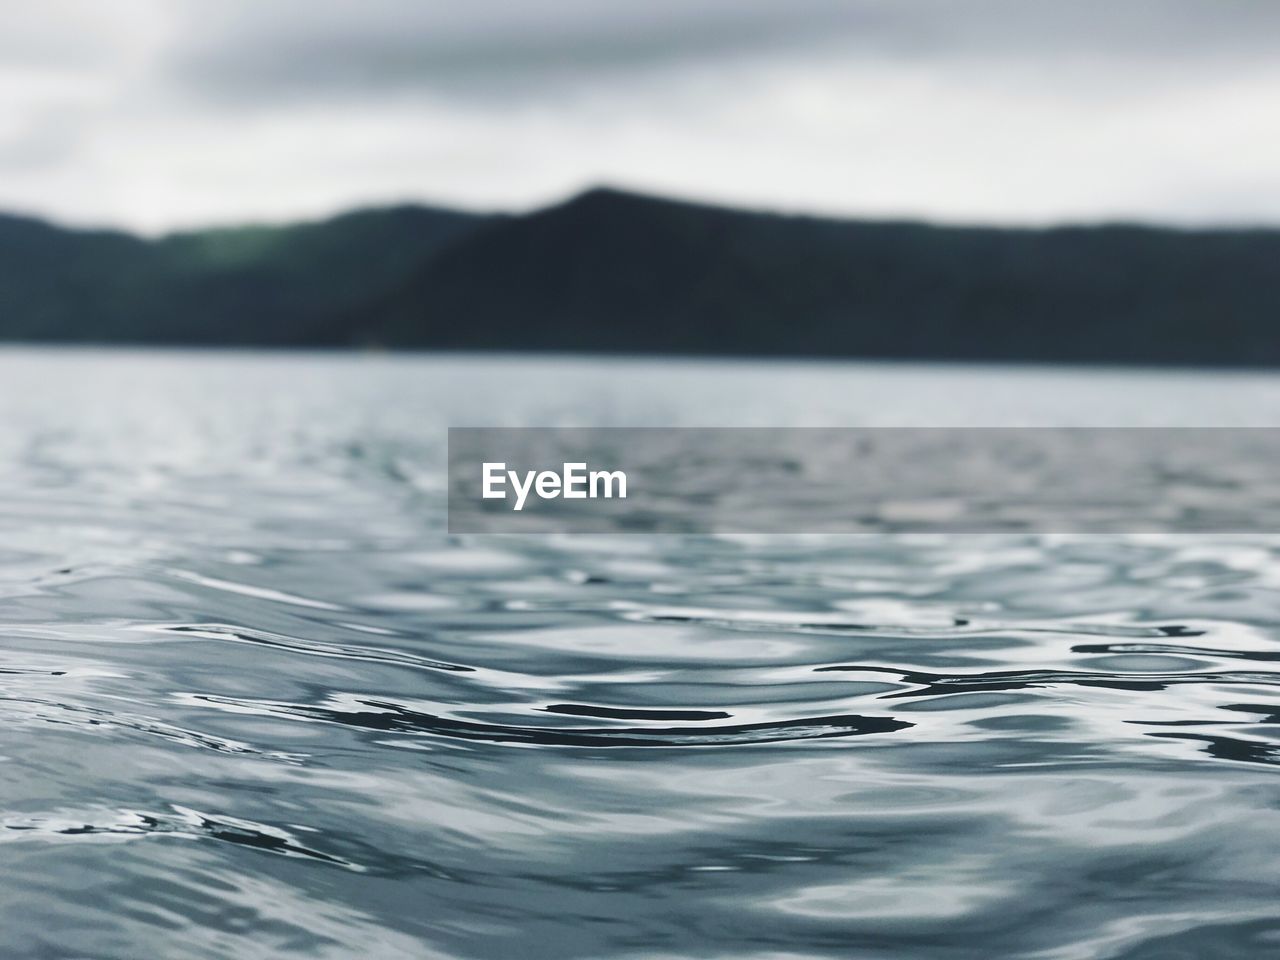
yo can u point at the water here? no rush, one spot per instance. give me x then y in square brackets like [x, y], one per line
[256, 703]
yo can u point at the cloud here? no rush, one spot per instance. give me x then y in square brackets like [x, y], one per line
[517, 48]
[490, 49]
[160, 113]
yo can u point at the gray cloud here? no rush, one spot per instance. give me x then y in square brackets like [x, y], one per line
[485, 49]
[51, 137]
[157, 113]
[44, 39]
[516, 48]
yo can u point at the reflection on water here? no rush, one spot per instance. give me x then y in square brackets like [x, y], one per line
[257, 704]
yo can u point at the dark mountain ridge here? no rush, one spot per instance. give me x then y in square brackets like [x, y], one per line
[611, 271]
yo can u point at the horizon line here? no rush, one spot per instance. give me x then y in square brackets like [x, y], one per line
[1114, 221]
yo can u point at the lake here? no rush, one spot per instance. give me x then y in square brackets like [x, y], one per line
[256, 701]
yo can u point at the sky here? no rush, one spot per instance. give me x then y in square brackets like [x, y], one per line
[155, 115]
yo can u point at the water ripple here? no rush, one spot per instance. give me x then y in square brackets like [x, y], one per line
[311, 648]
[398, 718]
[258, 702]
[66, 826]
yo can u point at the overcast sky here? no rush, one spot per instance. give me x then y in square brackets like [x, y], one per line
[155, 114]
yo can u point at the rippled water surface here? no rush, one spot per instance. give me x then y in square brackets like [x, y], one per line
[256, 703]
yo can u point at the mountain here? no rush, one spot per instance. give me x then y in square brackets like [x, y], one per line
[619, 272]
[57, 284]
[302, 285]
[294, 285]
